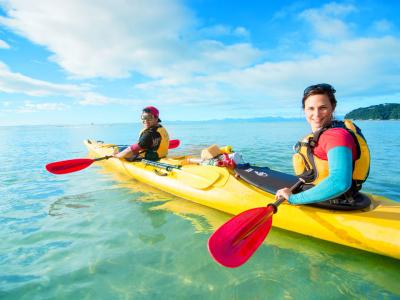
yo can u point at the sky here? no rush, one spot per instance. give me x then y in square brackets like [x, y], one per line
[82, 61]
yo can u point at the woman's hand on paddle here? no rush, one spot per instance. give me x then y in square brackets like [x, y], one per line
[285, 193]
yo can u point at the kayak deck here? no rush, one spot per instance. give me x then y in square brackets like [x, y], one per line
[375, 229]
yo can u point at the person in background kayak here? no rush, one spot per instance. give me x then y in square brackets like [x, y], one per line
[334, 159]
[153, 140]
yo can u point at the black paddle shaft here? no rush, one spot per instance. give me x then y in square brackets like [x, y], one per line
[102, 158]
[281, 199]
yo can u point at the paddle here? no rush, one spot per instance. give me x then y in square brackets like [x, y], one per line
[198, 177]
[77, 164]
[237, 240]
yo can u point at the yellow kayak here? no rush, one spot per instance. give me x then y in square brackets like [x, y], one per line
[375, 228]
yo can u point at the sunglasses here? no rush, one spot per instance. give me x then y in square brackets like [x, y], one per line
[324, 87]
[147, 118]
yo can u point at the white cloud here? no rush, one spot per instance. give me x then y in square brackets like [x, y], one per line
[91, 98]
[337, 9]
[94, 99]
[29, 107]
[382, 25]
[241, 31]
[105, 39]
[224, 30]
[356, 68]
[12, 82]
[4, 45]
[216, 30]
[342, 63]
[236, 56]
[151, 37]
[326, 21]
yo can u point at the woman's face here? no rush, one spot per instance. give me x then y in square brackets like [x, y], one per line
[149, 120]
[318, 110]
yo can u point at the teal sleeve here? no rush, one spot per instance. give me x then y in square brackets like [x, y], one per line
[338, 182]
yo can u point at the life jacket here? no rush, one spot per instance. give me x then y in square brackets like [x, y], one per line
[313, 169]
[160, 147]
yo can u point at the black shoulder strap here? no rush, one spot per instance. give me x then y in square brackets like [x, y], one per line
[313, 141]
[334, 124]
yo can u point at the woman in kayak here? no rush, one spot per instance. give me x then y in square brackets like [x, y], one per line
[153, 140]
[334, 159]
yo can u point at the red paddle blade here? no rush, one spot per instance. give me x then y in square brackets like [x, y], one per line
[69, 166]
[73, 165]
[236, 241]
[174, 144]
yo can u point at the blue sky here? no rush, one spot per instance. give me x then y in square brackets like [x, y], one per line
[73, 62]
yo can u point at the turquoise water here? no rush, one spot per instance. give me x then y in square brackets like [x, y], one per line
[96, 235]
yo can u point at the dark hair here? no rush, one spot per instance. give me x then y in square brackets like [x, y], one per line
[147, 110]
[320, 89]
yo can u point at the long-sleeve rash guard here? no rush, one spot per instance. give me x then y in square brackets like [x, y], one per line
[338, 147]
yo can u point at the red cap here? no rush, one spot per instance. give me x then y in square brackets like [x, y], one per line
[152, 110]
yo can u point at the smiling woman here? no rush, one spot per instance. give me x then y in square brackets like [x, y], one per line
[319, 107]
[333, 160]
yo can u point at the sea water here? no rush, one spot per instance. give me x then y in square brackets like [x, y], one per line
[95, 234]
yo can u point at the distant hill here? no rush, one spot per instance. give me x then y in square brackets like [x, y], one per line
[387, 111]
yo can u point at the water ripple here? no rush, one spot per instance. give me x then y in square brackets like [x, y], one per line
[82, 235]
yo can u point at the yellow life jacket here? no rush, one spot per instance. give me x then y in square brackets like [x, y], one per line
[313, 169]
[160, 148]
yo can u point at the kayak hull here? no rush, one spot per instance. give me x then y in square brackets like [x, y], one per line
[374, 229]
